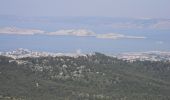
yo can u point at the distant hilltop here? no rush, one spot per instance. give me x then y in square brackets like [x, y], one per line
[145, 56]
[22, 53]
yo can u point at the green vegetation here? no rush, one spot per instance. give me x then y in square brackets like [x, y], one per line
[95, 77]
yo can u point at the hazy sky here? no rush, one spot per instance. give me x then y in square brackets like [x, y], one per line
[108, 8]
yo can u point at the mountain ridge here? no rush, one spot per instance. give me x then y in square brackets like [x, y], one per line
[128, 56]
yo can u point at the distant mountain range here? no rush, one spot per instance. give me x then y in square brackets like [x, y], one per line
[132, 56]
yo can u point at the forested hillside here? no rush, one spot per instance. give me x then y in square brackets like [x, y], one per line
[91, 77]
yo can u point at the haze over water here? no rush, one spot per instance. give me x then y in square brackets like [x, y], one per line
[110, 26]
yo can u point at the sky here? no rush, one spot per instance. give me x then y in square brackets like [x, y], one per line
[106, 8]
[107, 26]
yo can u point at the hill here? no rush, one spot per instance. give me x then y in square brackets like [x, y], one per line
[90, 77]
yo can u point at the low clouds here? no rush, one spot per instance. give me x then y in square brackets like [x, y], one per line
[142, 24]
[83, 32]
[70, 32]
[118, 36]
[20, 31]
[161, 25]
[73, 32]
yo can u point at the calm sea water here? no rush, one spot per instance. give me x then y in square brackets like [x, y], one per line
[156, 39]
